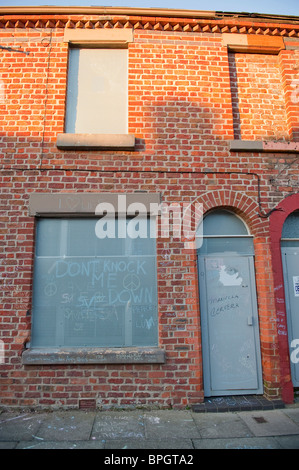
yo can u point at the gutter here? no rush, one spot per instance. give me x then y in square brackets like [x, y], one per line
[62, 10]
[145, 12]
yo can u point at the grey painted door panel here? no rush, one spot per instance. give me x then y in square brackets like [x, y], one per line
[231, 350]
[290, 258]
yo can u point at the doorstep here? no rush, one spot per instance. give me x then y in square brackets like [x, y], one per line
[237, 403]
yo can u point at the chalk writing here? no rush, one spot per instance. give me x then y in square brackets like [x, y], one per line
[145, 294]
[223, 308]
[223, 304]
[107, 301]
[95, 269]
[224, 298]
[146, 323]
[166, 256]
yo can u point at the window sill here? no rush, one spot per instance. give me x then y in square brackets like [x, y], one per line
[263, 146]
[129, 355]
[95, 141]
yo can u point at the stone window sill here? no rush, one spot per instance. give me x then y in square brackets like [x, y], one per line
[263, 146]
[130, 355]
[95, 141]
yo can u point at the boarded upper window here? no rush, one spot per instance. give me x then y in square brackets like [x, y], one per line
[97, 91]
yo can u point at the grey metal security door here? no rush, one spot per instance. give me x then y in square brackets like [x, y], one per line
[229, 318]
[290, 262]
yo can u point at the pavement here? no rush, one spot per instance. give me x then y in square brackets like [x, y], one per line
[150, 429]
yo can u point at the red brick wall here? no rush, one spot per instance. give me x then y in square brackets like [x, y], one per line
[182, 97]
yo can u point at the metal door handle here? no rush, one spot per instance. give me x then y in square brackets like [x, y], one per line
[250, 320]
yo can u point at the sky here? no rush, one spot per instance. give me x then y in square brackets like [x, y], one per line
[277, 7]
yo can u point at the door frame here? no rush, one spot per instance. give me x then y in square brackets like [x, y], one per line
[207, 373]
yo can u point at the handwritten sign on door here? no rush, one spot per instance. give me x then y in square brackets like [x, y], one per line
[296, 285]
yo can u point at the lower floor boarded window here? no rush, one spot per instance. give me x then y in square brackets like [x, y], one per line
[90, 291]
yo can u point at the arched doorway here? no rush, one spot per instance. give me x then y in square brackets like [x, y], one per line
[228, 305]
[290, 263]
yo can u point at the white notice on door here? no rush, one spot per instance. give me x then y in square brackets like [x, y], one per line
[296, 285]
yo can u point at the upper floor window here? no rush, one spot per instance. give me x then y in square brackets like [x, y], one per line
[97, 91]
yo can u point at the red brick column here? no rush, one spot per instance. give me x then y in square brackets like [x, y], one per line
[289, 65]
[277, 220]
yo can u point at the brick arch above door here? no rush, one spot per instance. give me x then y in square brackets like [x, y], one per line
[239, 203]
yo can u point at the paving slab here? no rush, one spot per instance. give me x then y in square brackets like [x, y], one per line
[237, 443]
[149, 444]
[8, 445]
[165, 424]
[293, 413]
[66, 426]
[117, 425]
[19, 426]
[60, 445]
[221, 425]
[288, 442]
[269, 423]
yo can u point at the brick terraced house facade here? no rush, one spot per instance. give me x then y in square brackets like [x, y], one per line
[115, 121]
